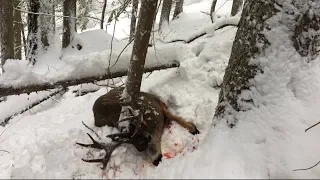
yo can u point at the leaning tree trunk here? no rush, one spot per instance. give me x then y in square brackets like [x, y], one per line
[165, 13]
[140, 48]
[178, 8]
[212, 9]
[6, 31]
[17, 29]
[236, 7]
[69, 22]
[33, 25]
[135, 4]
[266, 27]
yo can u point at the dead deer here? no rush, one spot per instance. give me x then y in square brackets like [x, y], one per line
[155, 117]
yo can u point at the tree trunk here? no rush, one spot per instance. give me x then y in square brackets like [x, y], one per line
[69, 23]
[33, 25]
[84, 9]
[178, 9]
[134, 14]
[103, 14]
[6, 31]
[47, 23]
[236, 7]
[212, 9]
[165, 13]
[17, 29]
[140, 48]
[266, 27]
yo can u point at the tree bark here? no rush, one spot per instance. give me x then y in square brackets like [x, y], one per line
[69, 23]
[140, 48]
[212, 9]
[17, 29]
[103, 14]
[178, 8]
[33, 25]
[47, 23]
[8, 90]
[6, 31]
[254, 42]
[134, 14]
[236, 7]
[165, 13]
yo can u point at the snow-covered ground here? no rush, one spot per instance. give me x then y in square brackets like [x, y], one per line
[268, 142]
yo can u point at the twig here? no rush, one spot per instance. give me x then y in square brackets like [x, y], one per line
[122, 52]
[5, 151]
[45, 14]
[307, 168]
[91, 129]
[312, 126]
[10, 126]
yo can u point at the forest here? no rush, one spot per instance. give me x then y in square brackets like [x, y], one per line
[159, 89]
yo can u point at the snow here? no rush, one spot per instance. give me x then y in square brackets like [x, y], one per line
[268, 141]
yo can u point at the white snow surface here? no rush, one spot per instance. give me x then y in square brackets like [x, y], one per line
[267, 142]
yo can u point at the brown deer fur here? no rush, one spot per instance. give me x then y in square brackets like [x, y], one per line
[107, 109]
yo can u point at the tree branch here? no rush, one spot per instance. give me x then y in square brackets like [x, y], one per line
[191, 39]
[6, 120]
[6, 91]
[307, 168]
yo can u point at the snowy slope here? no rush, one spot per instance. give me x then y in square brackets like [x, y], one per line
[268, 142]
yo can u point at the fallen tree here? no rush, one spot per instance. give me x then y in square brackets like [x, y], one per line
[5, 121]
[6, 90]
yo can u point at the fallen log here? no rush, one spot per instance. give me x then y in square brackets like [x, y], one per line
[9, 90]
[5, 121]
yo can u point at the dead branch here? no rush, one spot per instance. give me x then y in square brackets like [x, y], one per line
[312, 126]
[307, 168]
[189, 40]
[5, 151]
[6, 120]
[6, 91]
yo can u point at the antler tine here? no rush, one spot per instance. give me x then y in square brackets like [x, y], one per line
[108, 148]
[95, 144]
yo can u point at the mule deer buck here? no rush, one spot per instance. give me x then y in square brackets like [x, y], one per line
[155, 116]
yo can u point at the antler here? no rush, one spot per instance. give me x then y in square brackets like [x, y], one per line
[109, 148]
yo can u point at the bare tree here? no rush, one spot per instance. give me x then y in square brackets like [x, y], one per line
[69, 22]
[83, 11]
[6, 31]
[33, 25]
[236, 7]
[103, 13]
[17, 29]
[47, 23]
[135, 4]
[165, 13]
[212, 9]
[178, 8]
[255, 37]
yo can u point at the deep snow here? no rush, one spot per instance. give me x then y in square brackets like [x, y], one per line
[268, 142]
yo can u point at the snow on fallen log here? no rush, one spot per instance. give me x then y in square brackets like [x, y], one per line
[20, 78]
